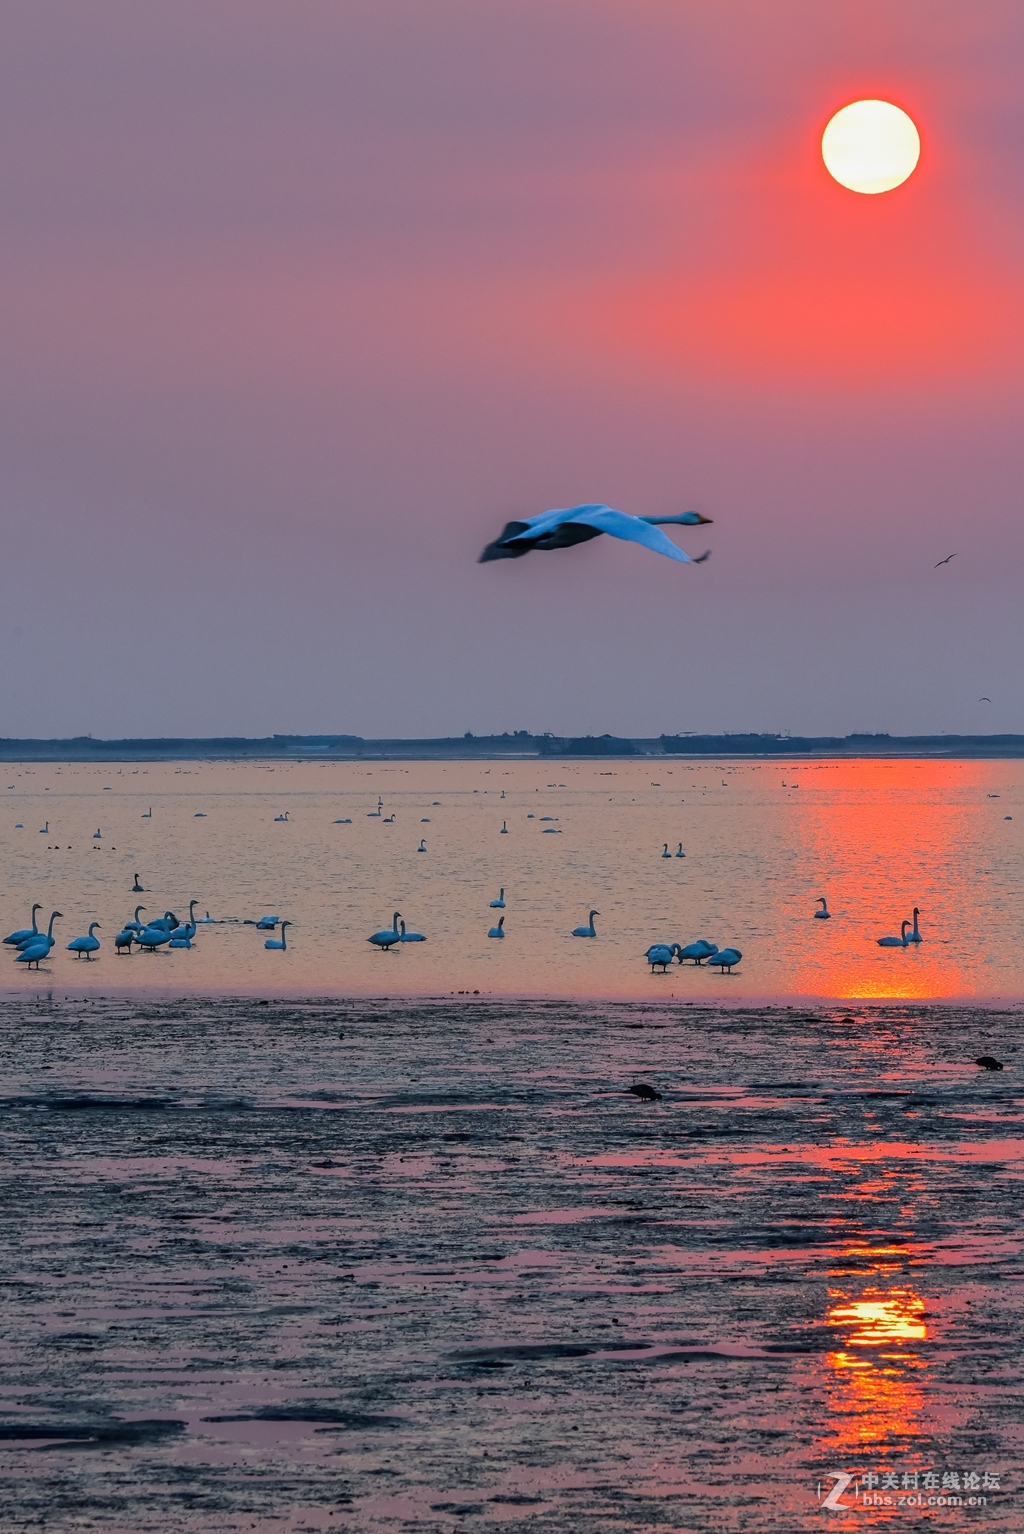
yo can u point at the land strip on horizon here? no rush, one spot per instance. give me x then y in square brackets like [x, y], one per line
[521, 744]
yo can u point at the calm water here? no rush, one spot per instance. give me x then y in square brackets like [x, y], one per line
[762, 841]
[371, 1266]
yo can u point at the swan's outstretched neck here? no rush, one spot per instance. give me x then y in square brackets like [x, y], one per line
[684, 518]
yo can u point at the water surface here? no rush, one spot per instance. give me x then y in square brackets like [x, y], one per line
[762, 841]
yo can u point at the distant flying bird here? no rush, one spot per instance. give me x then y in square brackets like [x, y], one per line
[984, 700]
[946, 560]
[576, 524]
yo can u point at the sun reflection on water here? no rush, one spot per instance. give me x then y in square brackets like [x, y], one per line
[874, 1378]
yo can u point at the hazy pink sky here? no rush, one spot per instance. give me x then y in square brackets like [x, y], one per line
[300, 302]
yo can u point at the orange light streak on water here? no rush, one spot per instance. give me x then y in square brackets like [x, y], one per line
[876, 1399]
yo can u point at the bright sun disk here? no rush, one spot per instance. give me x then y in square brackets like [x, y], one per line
[870, 146]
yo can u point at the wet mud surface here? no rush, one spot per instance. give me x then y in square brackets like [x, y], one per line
[360, 1265]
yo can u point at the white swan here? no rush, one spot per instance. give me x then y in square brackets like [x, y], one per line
[680, 853]
[665, 852]
[660, 953]
[499, 930]
[504, 829]
[895, 942]
[824, 914]
[385, 939]
[422, 846]
[698, 951]
[588, 931]
[915, 936]
[563, 528]
[135, 926]
[87, 945]
[724, 959]
[496, 905]
[40, 945]
[411, 937]
[25, 934]
[282, 942]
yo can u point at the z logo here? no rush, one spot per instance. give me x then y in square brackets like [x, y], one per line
[832, 1501]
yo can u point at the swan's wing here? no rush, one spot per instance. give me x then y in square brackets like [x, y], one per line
[547, 521]
[621, 525]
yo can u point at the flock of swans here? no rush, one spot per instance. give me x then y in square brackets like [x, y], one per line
[33, 946]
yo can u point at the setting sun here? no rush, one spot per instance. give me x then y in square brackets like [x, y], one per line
[870, 146]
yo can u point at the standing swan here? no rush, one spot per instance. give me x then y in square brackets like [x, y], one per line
[915, 936]
[385, 939]
[282, 942]
[698, 951]
[26, 934]
[724, 959]
[660, 953]
[499, 930]
[895, 942]
[588, 931]
[40, 946]
[824, 914]
[87, 945]
[496, 905]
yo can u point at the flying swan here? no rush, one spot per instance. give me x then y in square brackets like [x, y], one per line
[577, 524]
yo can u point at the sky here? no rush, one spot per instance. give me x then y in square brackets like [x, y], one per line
[300, 303]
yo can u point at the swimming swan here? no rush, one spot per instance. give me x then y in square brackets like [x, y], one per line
[499, 930]
[496, 905]
[915, 936]
[281, 942]
[895, 942]
[824, 914]
[589, 931]
[411, 937]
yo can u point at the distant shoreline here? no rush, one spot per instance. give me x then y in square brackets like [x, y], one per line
[510, 747]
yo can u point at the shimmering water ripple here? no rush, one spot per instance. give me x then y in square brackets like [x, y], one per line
[356, 1265]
